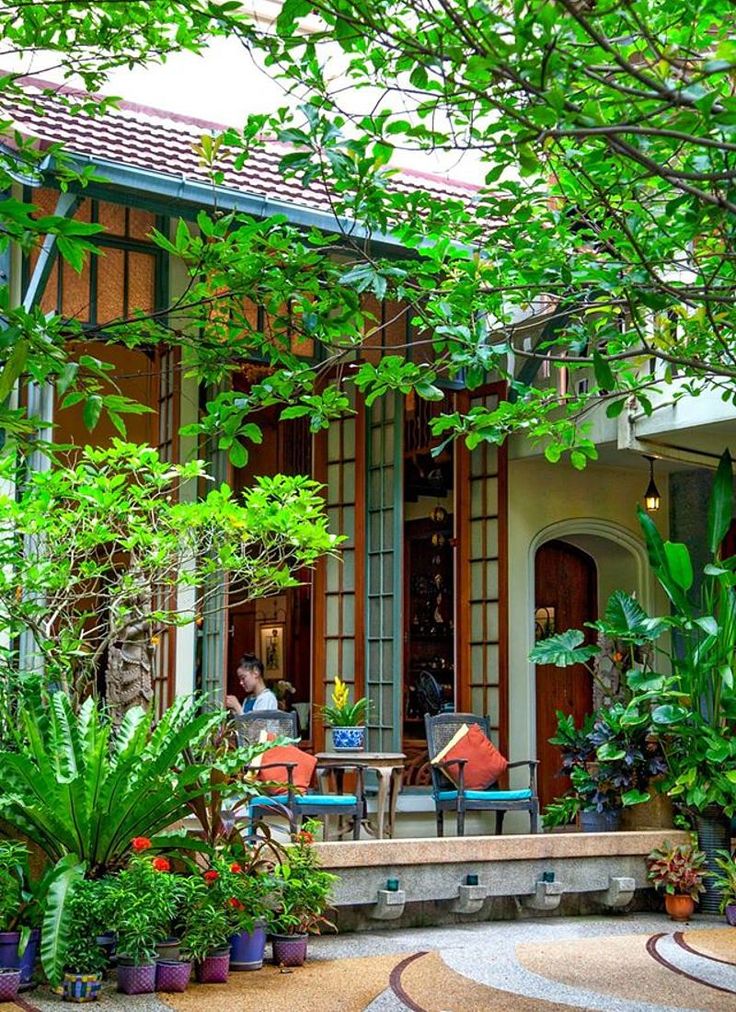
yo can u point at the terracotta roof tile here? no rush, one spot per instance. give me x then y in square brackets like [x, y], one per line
[141, 137]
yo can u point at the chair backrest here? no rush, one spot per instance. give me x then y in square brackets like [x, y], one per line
[441, 728]
[249, 725]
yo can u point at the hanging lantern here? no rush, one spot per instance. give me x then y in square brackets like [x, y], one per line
[652, 498]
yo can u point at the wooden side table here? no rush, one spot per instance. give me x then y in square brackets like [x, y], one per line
[388, 766]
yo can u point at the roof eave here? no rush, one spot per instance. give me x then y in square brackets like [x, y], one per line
[187, 193]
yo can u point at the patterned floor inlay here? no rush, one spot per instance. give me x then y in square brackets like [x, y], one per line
[637, 969]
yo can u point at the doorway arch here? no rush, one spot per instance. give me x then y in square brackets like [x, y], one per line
[619, 561]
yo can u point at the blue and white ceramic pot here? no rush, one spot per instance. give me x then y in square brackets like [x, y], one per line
[348, 739]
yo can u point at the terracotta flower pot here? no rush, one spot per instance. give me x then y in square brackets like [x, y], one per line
[173, 975]
[289, 950]
[214, 969]
[9, 983]
[136, 979]
[82, 987]
[680, 908]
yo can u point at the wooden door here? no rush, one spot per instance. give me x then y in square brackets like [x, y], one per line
[566, 595]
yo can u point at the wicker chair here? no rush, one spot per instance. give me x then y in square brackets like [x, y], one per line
[450, 798]
[295, 806]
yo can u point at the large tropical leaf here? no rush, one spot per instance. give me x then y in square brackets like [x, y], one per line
[563, 649]
[720, 507]
[55, 919]
[660, 563]
[625, 619]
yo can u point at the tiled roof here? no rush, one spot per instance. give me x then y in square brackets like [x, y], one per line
[140, 137]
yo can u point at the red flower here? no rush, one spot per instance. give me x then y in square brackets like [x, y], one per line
[211, 875]
[161, 864]
[303, 836]
[140, 843]
[235, 868]
[235, 902]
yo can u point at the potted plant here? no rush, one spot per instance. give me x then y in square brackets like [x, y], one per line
[346, 720]
[19, 911]
[725, 882]
[611, 761]
[679, 870]
[252, 895]
[143, 902]
[305, 896]
[82, 957]
[206, 928]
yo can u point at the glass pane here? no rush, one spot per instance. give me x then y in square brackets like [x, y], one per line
[140, 223]
[332, 657]
[348, 615]
[332, 619]
[492, 664]
[491, 538]
[349, 482]
[333, 577]
[348, 570]
[141, 282]
[333, 441]
[49, 298]
[334, 490]
[112, 216]
[110, 285]
[348, 659]
[75, 293]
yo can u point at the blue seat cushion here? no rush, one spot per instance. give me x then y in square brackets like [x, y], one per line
[487, 795]
[328, 800]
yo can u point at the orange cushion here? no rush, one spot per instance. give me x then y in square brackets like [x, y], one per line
[485, 763]
[301, 774]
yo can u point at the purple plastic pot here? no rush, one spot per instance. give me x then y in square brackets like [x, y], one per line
[247, 949]
[173, 974]
[9, 953]
[731, 914]
[214, 969]
[136, 979]
[289, 950]
[9, 984]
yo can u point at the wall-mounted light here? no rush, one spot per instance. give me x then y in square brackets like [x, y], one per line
[652, 498]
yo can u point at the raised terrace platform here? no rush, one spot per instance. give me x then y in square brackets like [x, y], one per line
[441, 881]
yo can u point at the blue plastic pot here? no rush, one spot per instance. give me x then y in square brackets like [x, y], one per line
[9, 957]
[247, 949]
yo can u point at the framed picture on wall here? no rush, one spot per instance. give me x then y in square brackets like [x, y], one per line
[272, 650]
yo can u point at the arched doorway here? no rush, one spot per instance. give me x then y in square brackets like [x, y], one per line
[566, 597]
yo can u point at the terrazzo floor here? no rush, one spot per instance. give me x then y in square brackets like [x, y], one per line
[616, 964]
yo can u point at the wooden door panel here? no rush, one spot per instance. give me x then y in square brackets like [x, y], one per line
[566, 581]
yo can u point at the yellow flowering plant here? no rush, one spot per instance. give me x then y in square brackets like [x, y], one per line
[341, 713]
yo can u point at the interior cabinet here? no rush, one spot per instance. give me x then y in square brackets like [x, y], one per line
[429, 632]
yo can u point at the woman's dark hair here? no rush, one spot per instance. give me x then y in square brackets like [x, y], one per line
[252, 662]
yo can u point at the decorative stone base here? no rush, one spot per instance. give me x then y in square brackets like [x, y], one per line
[517, 876]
